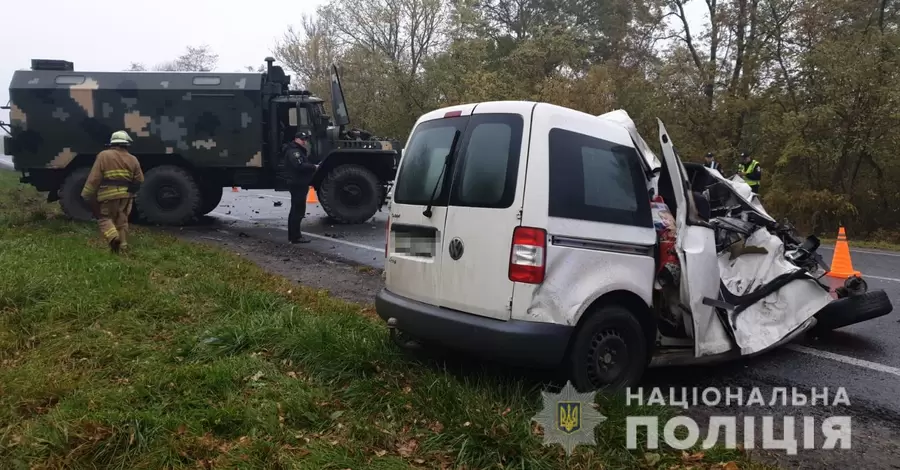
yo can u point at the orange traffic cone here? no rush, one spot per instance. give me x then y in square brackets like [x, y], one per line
[841, 266]
[311, 197]
[234, 189]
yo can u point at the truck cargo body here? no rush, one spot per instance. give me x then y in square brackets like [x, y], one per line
[211, 120]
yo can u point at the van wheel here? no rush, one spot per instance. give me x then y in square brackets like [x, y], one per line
[350, 194]
[168, 196]
[610, 351]
[70, 200]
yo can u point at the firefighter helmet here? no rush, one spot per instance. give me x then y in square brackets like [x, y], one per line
[120, 138]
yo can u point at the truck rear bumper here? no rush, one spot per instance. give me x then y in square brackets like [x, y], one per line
[526, 343]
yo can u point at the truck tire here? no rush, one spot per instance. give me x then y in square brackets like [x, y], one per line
[851, 310]
[70, 195]
[211, 198]
[609, 351]
[350, 194]
[169, 196]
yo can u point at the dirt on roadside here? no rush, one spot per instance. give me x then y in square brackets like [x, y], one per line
[342, 280]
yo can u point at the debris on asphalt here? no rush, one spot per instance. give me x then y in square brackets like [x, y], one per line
[277, 203]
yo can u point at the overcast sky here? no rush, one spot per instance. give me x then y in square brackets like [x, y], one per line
[108, 35]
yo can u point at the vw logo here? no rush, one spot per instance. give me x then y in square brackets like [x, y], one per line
[456, 248]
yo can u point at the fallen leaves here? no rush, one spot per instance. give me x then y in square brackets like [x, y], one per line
[406, 449]
[697, 457]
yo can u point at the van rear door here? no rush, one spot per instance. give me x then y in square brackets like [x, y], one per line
[458, 255]
[413, 254]
[485, 207]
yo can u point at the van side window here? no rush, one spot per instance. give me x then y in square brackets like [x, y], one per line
[596, 180]
[489, 162]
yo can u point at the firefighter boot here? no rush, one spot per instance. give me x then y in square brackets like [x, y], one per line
[114, 245]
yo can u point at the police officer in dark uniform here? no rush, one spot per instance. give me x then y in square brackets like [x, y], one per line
[711, 162]
[300, 173]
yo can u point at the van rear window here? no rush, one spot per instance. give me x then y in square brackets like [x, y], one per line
[423, 160]
[483, 170]
[596, 180]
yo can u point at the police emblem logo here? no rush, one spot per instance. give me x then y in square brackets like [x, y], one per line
[569, 418]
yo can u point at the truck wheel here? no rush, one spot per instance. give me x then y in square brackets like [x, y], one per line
[169, 196]
[350, 194]
[609, 352]
[212, 196]
[70, 195]
[851, 310]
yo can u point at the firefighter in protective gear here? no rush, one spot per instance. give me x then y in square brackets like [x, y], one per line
[750, 170]
[110, 189]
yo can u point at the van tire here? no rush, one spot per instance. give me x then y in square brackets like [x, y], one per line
[176, 182]
[352, 178]
[852, 310]
[610, 332]
[70, 200]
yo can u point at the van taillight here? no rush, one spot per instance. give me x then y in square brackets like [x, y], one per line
[528, 255]
[450, 114]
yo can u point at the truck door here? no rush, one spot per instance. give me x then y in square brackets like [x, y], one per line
[696, 246]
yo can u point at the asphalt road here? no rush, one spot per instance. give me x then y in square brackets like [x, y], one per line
[864, 358]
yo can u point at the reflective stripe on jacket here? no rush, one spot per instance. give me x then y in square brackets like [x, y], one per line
[114, 172]
[751, 173]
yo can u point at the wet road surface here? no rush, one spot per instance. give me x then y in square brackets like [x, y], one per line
[864, 358]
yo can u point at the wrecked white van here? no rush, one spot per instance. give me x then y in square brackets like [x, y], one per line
[537, 234]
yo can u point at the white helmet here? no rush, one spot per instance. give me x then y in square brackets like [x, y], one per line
[121, 138]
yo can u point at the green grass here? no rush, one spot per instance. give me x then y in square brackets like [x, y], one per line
[179, 355]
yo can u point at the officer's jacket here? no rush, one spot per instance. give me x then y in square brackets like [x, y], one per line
[751, 172]
[116, 174]
[297, 160]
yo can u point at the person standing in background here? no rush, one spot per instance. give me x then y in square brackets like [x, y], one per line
[750, 170]
[711, 162]
[301, 173]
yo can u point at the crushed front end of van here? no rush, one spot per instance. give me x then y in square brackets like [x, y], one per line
[773, 283]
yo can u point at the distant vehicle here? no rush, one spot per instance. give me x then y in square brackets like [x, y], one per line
[526, 232]
[194, 134]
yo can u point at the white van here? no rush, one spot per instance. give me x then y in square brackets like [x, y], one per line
[523, 231]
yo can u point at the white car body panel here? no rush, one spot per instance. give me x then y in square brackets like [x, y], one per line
[582, 258]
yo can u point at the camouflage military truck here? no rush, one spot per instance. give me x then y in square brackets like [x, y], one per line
[194, 134]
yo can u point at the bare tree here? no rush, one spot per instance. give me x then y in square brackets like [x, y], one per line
[195, 59]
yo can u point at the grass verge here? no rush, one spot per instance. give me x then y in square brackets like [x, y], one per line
[179, 355]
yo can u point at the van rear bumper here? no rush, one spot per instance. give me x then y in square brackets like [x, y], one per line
[527, 343]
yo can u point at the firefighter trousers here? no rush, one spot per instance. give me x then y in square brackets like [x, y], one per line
[114, 220]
